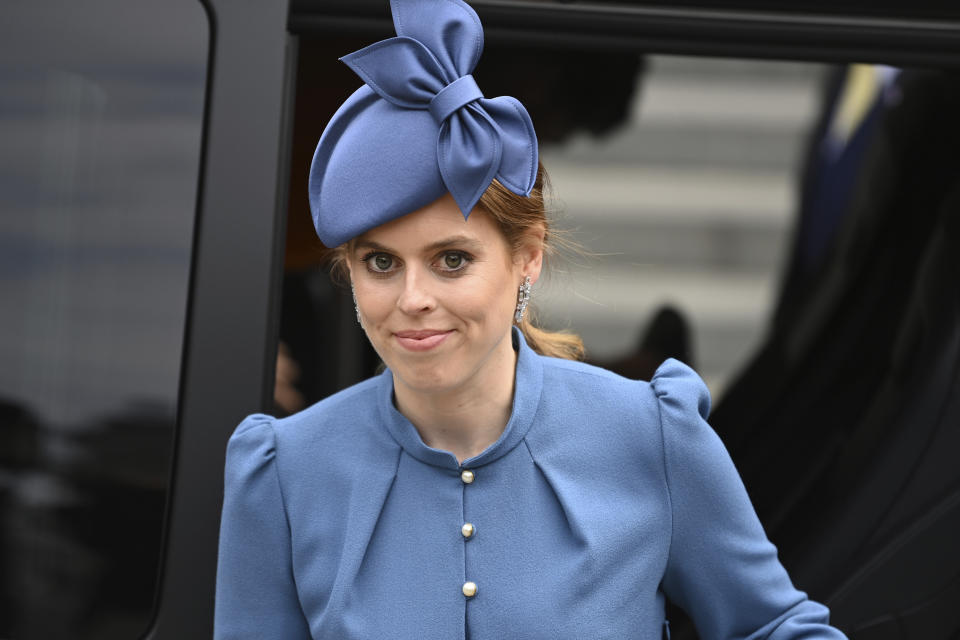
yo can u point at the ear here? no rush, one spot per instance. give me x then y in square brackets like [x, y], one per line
[529, 258]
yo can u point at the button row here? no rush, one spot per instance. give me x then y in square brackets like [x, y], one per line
[467, 530]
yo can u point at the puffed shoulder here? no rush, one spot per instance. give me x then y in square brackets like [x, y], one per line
[251, 447]
[680, 391]
[256, 593]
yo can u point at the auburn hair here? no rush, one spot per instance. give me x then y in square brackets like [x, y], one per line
[519, 218]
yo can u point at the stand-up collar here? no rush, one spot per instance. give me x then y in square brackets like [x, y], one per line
[526, 399]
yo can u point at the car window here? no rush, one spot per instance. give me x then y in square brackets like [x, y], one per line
[101, 119]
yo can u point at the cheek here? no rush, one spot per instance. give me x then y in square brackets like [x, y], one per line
[374, 302]
[493, 301]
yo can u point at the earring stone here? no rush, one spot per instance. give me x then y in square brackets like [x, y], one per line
[356, 307]
[523, 298]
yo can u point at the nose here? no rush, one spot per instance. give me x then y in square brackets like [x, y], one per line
[416, 297]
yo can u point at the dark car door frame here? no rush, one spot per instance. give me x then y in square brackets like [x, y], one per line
[228, 361]
[230, 341]
[910, 36]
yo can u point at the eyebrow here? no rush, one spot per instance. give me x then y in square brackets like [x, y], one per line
[459, 240]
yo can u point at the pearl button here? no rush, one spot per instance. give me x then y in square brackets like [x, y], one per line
[467, 476]
[469, 589]
[467, 530]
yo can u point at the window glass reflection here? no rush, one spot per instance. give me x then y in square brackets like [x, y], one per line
[100, 117]
[687, 209]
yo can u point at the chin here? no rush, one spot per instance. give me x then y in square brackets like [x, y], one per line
[427, 379]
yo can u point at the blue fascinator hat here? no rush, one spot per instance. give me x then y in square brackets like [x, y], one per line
[418, 128]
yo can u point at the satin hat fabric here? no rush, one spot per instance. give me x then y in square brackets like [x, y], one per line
[418, 128]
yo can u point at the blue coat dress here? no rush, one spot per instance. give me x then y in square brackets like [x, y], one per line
[601, 496]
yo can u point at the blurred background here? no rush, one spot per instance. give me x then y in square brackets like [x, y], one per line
[687, 205]
[783, 227]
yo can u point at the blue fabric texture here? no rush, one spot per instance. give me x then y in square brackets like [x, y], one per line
[418, 128]
[601, 496]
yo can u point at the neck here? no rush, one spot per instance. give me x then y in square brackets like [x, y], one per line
[464, 420]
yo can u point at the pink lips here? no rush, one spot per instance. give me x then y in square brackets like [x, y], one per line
[423, 340]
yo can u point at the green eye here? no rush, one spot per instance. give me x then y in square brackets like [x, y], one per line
[453, 261]
[382, 262]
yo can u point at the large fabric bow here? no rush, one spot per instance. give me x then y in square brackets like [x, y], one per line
[428, 66]
[425, 70]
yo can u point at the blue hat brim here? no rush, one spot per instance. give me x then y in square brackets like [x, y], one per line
[374, 163]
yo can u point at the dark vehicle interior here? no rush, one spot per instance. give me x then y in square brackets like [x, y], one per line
[161, 278]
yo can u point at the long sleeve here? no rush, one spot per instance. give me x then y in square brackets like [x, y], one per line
[256, 594]
[721, 568]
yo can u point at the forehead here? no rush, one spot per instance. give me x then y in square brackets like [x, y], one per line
[435, 222]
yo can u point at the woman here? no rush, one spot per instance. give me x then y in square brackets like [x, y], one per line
[477, 488]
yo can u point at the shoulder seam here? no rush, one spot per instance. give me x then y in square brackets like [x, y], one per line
[571, 365]
[322, 407]
[286, 515]
[276, 475]
[666, 470]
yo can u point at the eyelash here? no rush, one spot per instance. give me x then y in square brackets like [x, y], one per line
[448, 273]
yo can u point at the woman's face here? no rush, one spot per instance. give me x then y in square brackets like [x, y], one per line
[437, 294]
